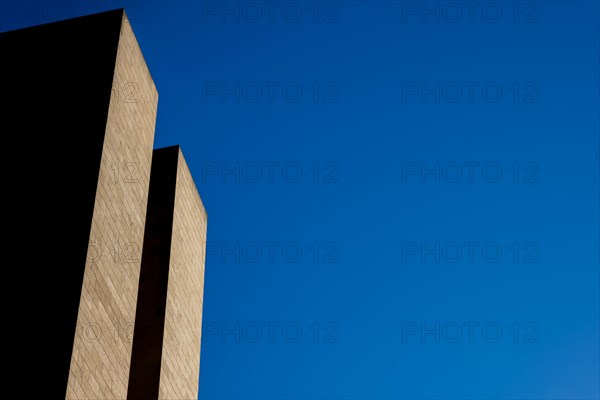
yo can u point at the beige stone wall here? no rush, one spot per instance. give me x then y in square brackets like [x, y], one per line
[180, 364]
[102, 347]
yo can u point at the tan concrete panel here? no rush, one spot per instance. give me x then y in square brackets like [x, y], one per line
[102, 346]
[180, 364]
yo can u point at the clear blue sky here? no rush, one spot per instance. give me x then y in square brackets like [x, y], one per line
[387, 246]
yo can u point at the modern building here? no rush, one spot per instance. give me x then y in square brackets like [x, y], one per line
[105, 236]
[166, 347]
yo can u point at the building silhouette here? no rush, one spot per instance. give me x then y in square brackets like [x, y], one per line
[104, 249]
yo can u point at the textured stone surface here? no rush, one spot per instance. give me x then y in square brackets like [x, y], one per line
[102, 348]
[180, 366]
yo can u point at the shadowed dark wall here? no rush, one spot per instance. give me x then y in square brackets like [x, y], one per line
[144, 376]
[56, 89]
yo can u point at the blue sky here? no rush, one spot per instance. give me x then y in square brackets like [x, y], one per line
[402, 197]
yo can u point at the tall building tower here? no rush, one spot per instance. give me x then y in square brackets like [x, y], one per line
[166, 349]
[84, 256]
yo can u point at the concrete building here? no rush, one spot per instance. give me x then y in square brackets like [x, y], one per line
[166, 349]
[78, 114]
